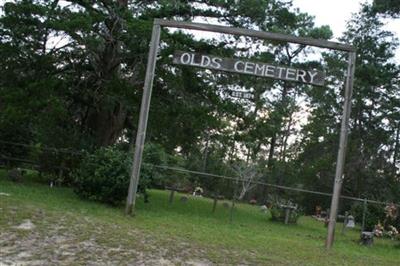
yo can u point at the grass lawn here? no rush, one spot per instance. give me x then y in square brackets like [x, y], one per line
[71, 231]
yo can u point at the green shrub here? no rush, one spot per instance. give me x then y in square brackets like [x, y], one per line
[152, 175]
[278, 214]
[374, 214]
[278, 210]
[103, 176]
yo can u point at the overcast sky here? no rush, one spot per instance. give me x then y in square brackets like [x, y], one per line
[335, 13]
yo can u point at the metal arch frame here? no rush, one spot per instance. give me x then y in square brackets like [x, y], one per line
[148, 85]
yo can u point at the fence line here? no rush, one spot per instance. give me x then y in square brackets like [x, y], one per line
[266, 184]
[212, 175]
[41, 148]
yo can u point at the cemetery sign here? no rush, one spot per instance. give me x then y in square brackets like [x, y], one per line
[242, 66]
[252, 68]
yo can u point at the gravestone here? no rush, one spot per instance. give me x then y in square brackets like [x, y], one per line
[350, 222]
[263, 208]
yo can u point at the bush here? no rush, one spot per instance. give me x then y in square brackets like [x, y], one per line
[374, 215]
[278, 210]
[156, 177]
[278, 214]
[103, 176]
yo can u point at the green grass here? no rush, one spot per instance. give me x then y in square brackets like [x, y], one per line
[250, 238]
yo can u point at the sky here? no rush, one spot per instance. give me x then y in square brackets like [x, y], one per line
[335, 13]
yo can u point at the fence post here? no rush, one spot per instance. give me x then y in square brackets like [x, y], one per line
[215, 203]
[171, 196]
[346, 219]
[231, 212]
[364, 215]
[233, 199]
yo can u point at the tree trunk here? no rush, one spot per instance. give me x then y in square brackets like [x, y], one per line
[106, 119]
[271, 152]
[396, 149]
[205, 153]
[107, 125]
[285, 137]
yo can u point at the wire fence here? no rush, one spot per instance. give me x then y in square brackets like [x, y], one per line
[235, 180]
[267, 184]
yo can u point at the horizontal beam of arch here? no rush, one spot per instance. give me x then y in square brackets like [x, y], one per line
[258, 34]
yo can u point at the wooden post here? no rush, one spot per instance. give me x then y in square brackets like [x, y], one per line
[171, 196]
[144, 113]
[287, 215]
[342, 150]
[364, 215]
[257, 34]
[233, 199]
[231, 211]
[215, 203]
[345, 221]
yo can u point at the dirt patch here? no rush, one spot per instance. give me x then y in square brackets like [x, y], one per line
[45, 239]
[26, 225]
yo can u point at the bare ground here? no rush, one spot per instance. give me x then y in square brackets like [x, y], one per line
[33, 237]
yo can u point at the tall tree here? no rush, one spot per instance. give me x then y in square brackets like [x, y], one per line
[373, 124]
[389, 7]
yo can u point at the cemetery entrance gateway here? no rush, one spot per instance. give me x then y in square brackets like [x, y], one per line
[145, 105]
